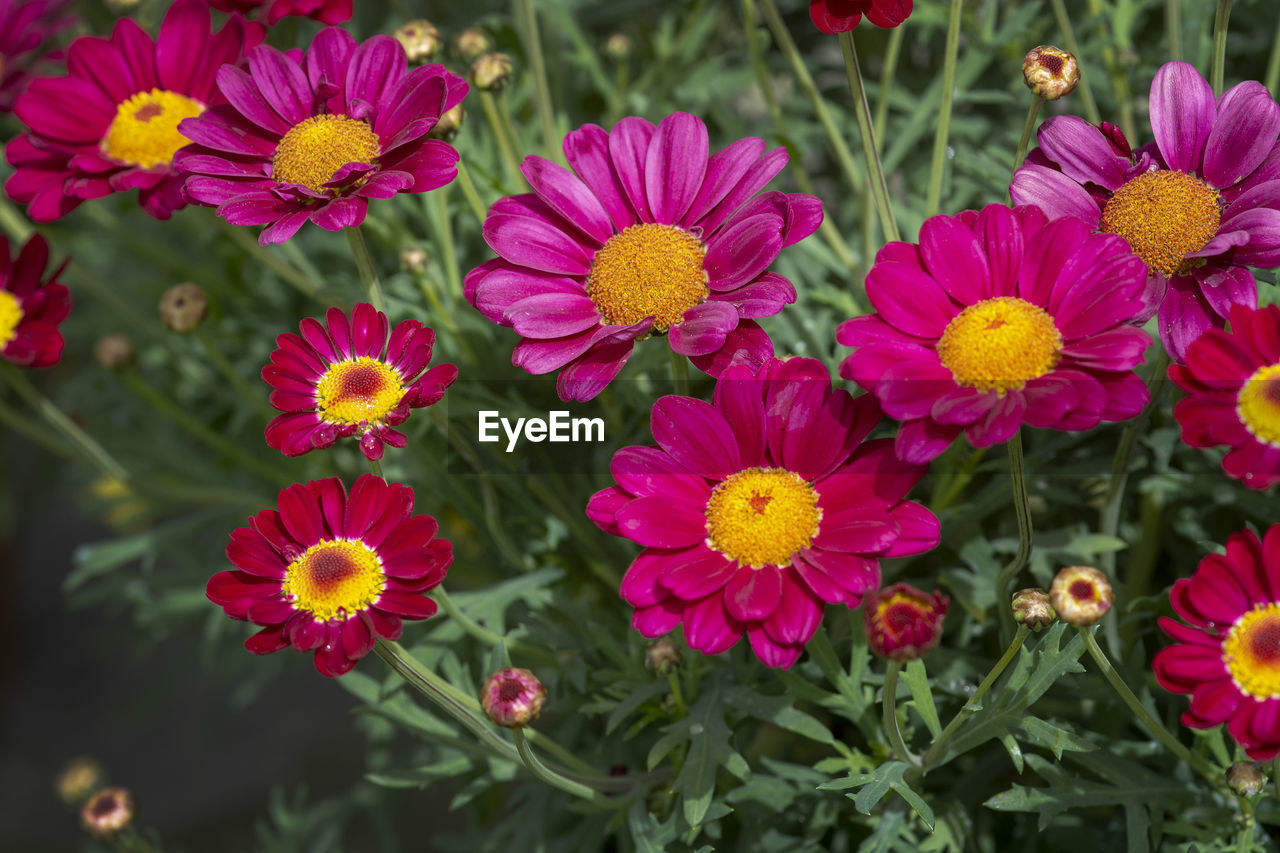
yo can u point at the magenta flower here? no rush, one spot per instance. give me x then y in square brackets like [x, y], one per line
[1199, 205]
[1232, 382]
[27, 29]
[903, 623]
[841, 16]
[324, 11]
[349, 380]
[995, 320]
[111, 124]
[312, 136]
[331, 571]
[758, 509]
[651, 236]
[31, 309]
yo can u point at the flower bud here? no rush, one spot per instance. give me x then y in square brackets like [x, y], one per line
[114, 352]
[491, 71]
[420, 40]
[1050, 72]
[1031, 607]
[413, 259]
[513, 697]
[108, 811]
[1246, 778]
[183, 306]
[79, 778]
[448, 124]
[472, 42]
[1081, 595]
[662, 655]
[902, 622]
[618, 46]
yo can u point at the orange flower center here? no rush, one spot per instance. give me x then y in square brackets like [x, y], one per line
[1258, 404]
[144, 132]
[1164, 216]
[10, 317]
[999, 344]
[901, 611]
[334, 579]
[314, 149]
[761, 516]
[648, 271]
[358, 391]
[1251, 652]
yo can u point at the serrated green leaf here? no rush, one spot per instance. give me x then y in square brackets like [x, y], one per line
[1052, 737]
[1015, 752]
[780, 711]
[887, 777]
[917, 681]
[420, 777]
[709, 748]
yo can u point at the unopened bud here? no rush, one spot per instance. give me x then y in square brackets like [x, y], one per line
[183, 306]
[447, 125]
[472, 42]
[513, 697]
[1031, 607]
[618, 46]
[413, 259]
[1050, 72]
[662, 655]
[78, 779]
[1081, 595]
[491, 71]
[113, 352]
[1246, 778]
[420, 40]
[903, 623]
[108, 811]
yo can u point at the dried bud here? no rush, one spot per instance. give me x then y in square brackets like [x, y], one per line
[1050, 72]
[1031, 607]
[413, 259]
[662, 655]
[1246, 778]
[902, 622]
[420, 40]
[108, 811]
[618, 46]
[1081, 595]
[491, 71]
[472, 42]
[513, 697]
[183, 306]
[114, 351]
[78, 779]
[448, 124]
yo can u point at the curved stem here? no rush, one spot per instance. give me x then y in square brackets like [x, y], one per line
[1027, 128]
[944, 109]
[527, 20]
[870, 150]
[63, 424]
[1023, 511]
[1201, 766]
[552, 778]
[1069, 38]
[364, 263]
[1220, 19]
[890, 717]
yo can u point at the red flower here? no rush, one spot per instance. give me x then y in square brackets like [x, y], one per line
[840, 16]
[324, 11]
[903, 623]
[30, 310]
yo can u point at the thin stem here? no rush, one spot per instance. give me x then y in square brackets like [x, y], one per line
[375, 468]
[870, 150]
[891, 54]
[12, 419]
[229, 372]
[944, 109]
[1069, 38]
[890, 707]
[364, 263]
[1022, 509]
[679, 374]
[281, 267]
[552, 778]
[13, 222]
[1027, 128]
[465, 622]
[1217, 70]
[527, 20]
[51, 413]
[677, 695]
[1119, 80]
[1272, 79]
[1173, 25]
[1201, 766]
[470, 193]
[948, 490]
[506, 146]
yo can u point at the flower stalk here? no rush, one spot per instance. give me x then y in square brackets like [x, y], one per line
[944, 109]
[527, 20]
[866, 129]
[1022, 509]
[890, 708]
[1217, 71]
[364, 263]
[1069, 39]
[63, 424]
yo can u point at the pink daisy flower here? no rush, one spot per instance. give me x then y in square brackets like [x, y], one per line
[652, 235]
[31, 309]
[331, 571]
[841, 16]
[111, 124]
[997, 319]
[1228, 655]
[314, 135]
[1199, 205]
[325, 11]
[349, 379]
[758, 509]
[27, 28]
[1233, 386]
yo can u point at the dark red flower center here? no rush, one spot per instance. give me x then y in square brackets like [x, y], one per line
[334, 578]
[1251, 652]
[1082, 590]
[364, 390]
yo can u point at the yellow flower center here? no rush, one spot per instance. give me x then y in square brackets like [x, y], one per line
[902, 611]
[1258, 404]
[761, 516]
[10, 317]
[144, 132]
[1165, 216]
[334, 578]
[999, 344]
[1251, 652]
[314, 149]
[648, 271]
[353, 392]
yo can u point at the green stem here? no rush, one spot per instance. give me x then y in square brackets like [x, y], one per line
[1023, 511]
[13, 222]
[890, 71]
[1027, 128]
[555, 780]
[890, 707]
[948, 490]
[470, 193]
[679, 374]
[51, 413]
[506, 146]
[1119, 80]
[364, 263]
[258, 252]
[1201, 766]
[258, 395]
[13, 419]
[870, 150]
[677, 694]
[1272, 79]
[1069, 38]
[527, 20]
[944, 109]
[1217, 70]
[1173, 25]
[375, 468]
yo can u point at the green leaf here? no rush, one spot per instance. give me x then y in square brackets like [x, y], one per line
[917, 681]
[709, 748]
[780, 711]
[885, 778]
[420, 777]
[1054, 738]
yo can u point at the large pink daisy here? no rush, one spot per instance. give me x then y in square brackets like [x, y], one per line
[31, 309]
[314, 135]
[1199, 205]
[111, 124]
[758, 509]
[27, 29]
[997, 319]
[652, 235]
